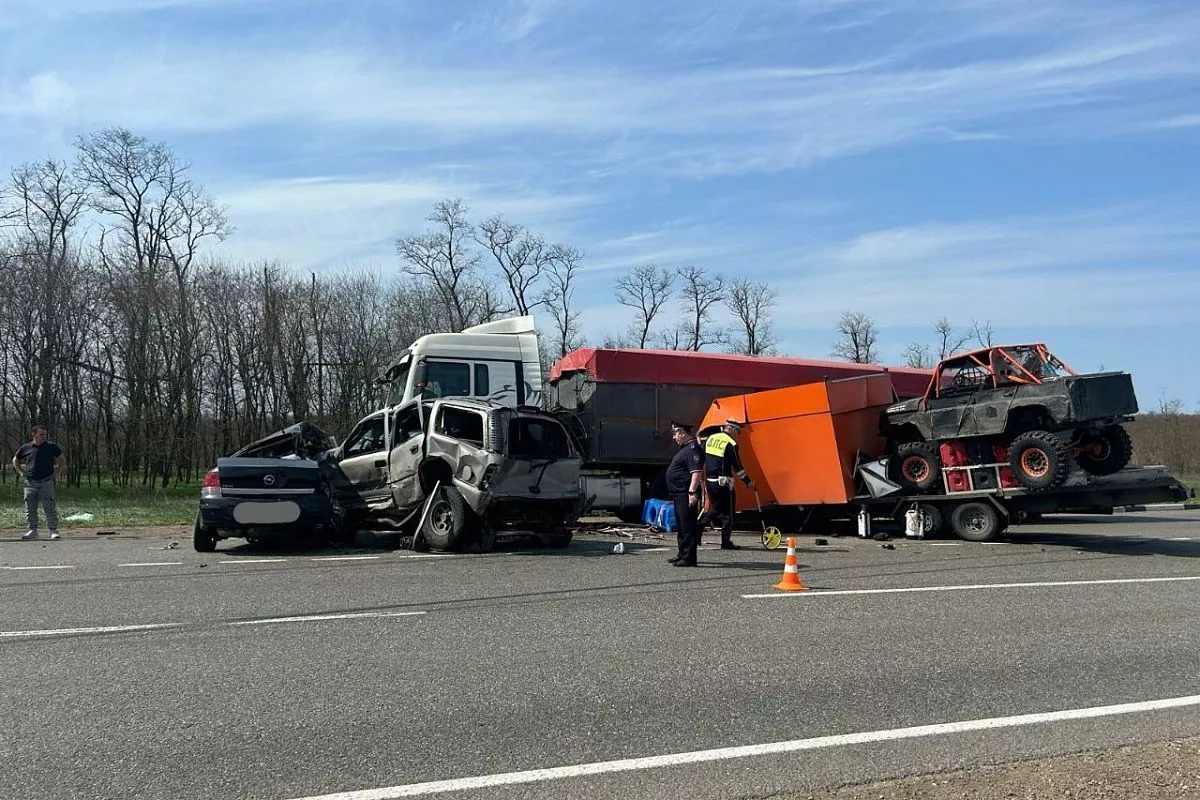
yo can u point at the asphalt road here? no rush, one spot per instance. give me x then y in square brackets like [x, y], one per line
[132, 669]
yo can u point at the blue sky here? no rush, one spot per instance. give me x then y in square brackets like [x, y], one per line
[1032, 163]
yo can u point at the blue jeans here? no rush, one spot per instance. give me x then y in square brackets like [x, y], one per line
[43, 491]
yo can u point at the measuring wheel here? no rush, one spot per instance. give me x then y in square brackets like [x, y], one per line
[771, 536]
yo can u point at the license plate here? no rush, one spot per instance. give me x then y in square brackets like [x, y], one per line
[279, 513]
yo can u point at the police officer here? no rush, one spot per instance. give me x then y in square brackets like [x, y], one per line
[721, 464]
[684, 476]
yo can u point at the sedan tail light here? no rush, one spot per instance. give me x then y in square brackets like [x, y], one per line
[211, 489]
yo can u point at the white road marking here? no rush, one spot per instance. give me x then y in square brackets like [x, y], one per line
[657, 549]
[345, 558]
[254, 561]
[434, 555]
[67, 631]
[314, 617]
[1098, 582]
[153, 564]
[37, 567]
[945, 544]
[1180, 539]
[750, 751]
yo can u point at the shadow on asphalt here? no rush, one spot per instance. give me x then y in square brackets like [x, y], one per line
[1114, 545]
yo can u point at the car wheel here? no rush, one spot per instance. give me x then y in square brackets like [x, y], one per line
[1039, 460]
[1106, 451]
[204, 539]
[916, 466]
[448, 521]
[975, 522]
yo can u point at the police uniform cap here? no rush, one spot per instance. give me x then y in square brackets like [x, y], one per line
[681, 426]
[733, 423]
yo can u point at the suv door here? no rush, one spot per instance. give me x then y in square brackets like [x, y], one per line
[363, 461]
[459, 435]
[952, 406]
[404, 459]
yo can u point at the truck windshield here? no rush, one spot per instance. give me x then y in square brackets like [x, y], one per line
[534, 438]
[399, 383]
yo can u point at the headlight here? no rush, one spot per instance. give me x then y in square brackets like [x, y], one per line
[489, 474]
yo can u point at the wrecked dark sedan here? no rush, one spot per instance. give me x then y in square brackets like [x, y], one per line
[277, 486]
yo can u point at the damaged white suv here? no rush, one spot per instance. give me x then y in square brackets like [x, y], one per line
[457, 472]
[450, 473]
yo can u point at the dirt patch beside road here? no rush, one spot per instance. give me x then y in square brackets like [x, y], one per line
[1159, 771]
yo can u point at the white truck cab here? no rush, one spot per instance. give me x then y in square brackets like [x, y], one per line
[497, 362]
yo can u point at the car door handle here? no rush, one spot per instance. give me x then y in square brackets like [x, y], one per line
[414, 448]
[381, 463]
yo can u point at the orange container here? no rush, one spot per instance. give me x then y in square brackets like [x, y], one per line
[800, 444]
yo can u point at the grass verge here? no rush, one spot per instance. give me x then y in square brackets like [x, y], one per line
[109, 506]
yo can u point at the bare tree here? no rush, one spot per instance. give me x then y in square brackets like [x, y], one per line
[982, 333]
[559, 298]
[917, 356]
[43, 203]
[949, 342]
[858, 338]
[155, 219]
[752, 303]
[443, 257]
[700, 292]
[645, 289]
[523, 258]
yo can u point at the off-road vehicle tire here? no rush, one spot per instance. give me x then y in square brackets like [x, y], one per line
[1114, 450]
[916, 466]
[449, 521]
[1039, 460]
[204, 539]
[976, 522]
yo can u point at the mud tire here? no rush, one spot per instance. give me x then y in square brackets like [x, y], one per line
[1114, 450]
[1039, 460]
[916, 466]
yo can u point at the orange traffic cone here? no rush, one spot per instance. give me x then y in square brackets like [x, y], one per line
[791, 573]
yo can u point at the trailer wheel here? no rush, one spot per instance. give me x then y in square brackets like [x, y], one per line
[975, 522]
[1039, 460]
[916, 466]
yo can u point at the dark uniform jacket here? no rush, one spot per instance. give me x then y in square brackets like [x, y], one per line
[688, 459]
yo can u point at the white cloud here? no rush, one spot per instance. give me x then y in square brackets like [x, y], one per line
[704, 121]
[328, 222]
[1124, 268]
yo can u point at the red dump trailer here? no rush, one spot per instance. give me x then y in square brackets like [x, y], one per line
[619, 404]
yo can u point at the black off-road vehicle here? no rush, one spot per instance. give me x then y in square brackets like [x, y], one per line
[1023, 398]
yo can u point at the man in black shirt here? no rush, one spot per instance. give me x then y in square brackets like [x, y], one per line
[683, 484]
[37, 462]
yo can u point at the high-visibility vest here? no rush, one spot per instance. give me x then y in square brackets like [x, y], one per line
[715, 445]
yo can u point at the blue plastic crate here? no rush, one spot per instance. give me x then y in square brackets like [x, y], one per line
[660, 514]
